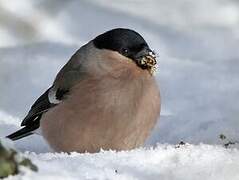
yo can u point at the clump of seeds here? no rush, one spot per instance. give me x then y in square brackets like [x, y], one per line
[149, 62]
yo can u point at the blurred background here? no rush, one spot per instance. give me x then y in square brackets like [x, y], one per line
[197, 43]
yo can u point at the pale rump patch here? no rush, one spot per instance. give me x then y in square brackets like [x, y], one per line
[116, 110]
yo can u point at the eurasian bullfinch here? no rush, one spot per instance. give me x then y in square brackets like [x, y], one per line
[105, 97]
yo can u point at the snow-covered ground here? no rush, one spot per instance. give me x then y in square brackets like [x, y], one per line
[163, 162]
[197, 43]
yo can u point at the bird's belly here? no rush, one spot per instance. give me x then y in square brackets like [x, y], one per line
[94, 119]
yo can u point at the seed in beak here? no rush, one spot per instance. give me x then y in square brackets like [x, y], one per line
[143, 61]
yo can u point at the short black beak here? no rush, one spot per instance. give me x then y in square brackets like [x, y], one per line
[144, 52]
[146, 59]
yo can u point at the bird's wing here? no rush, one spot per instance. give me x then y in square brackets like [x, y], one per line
[65, 80]
[46, 101]
[51, 98]
[31, 122]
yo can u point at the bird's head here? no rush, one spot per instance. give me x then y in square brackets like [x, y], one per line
[129, 44]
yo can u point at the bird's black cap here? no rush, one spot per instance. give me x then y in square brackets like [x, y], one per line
[130, 44]
[126, 41]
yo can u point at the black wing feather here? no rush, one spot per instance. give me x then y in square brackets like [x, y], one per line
[26, 131]
[32, 120]
[41, 105]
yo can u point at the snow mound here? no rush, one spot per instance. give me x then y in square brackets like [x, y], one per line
[163, 162]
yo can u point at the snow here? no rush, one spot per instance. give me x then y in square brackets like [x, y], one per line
[197, 44]
[163, 162]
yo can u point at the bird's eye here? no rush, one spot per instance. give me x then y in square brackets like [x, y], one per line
[125, 51]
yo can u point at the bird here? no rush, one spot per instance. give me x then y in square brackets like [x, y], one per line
[105, 97]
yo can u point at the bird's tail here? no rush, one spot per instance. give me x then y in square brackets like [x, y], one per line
[27, 130]
[20, 134]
